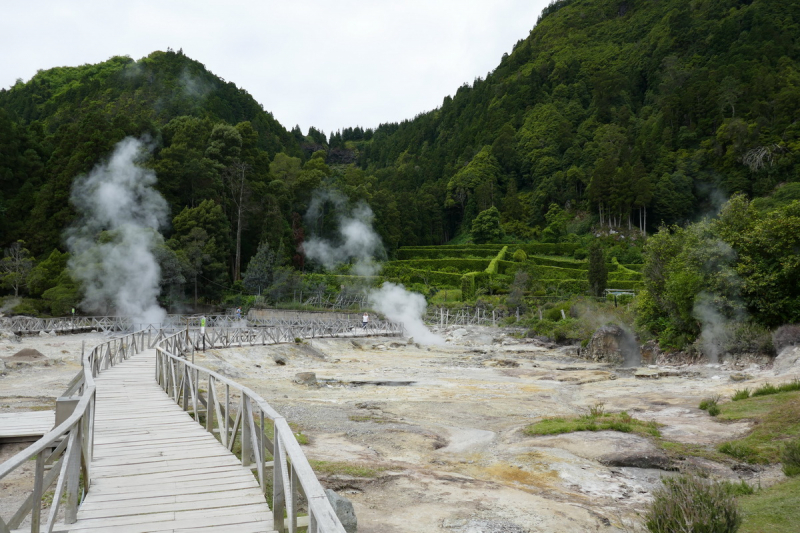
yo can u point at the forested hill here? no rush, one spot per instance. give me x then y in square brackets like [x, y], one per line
[620, 108]
[66, 119]
[609, 113]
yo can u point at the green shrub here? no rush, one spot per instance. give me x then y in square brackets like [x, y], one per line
[765, 390]
[714, 410]
[740, 451]
[520, 256]
[688, 503]
[494, 264]
[706, 403]
[742, 394]
[738, 489]
[791, 458]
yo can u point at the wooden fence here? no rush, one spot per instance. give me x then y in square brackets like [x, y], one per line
[63, 456]
[245, 422]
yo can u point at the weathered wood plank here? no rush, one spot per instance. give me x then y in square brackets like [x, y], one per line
[155, 469]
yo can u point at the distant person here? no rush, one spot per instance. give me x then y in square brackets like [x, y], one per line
[238, 313]
[364, 321]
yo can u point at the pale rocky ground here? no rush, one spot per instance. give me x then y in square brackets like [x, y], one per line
[451, 443]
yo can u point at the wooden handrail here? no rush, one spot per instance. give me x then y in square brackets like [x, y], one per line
[71, 442]
[245, 418]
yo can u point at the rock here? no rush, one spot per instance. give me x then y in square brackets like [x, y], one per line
[368, 405]
[650, 352]
[460, 332]
[357, 345]
[280, 359]
[636, 459]
[786, 361]
[25, 358]
[9, 336]
[647, 373]
[53, 333]
[612, 344]
[306, 378]
[43, 333]
[344, 510]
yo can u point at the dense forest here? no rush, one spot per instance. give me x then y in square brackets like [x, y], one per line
[613, 117]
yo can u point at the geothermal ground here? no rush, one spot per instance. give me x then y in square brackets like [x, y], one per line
[439, 431]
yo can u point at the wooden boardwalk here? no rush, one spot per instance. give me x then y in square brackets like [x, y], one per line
[156, 470]
[25, 426]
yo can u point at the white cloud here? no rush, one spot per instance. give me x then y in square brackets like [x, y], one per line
[309, 62]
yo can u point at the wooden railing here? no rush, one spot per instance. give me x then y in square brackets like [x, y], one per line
[63, 456]
[27, 325]
[244, 422]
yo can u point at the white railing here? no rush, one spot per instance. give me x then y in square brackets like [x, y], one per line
[63, 456]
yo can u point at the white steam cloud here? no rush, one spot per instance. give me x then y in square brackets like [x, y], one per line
[408, 308]
[357, 241]
[111, 244]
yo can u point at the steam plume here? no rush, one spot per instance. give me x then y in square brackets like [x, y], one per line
[358, 241]
[111, 245]
[400, 305]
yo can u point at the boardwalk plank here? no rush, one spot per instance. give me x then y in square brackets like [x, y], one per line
[156, 469]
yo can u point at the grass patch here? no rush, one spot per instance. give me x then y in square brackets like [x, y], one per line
[688, 503]
[773, 510]
[678, 450]
[742, 394]
[600, 421]
[711, 405]
[777, 418]
[791, 458]
[347, 469]
[769, 388]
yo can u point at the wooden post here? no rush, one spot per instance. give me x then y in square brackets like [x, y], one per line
[247, 435]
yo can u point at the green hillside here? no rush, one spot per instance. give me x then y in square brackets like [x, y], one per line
[610, 119]
[631, 110]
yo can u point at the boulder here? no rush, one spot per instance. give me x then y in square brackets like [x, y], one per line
[344, 510]
[306, 378]
[280, 359]
[787, 361]
[613, 344]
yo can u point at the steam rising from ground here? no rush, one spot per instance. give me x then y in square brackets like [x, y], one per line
[399, 305]
[111, 244]
[357, 241]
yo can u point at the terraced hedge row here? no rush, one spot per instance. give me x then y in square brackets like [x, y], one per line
[482, 250]
[456, 265]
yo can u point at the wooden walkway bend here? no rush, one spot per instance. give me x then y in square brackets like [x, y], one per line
[155, 469]
[132, 459]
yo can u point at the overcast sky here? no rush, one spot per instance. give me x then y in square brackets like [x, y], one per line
[323, 63]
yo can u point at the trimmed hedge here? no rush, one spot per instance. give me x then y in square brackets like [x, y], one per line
[624, 276]
[550, 272]
[482, 250]
[404, 254]
[561, 263]
[635, 268]
[625, 285]
[471, 282]
[414, 275]
[460, 265]
[494, 264]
